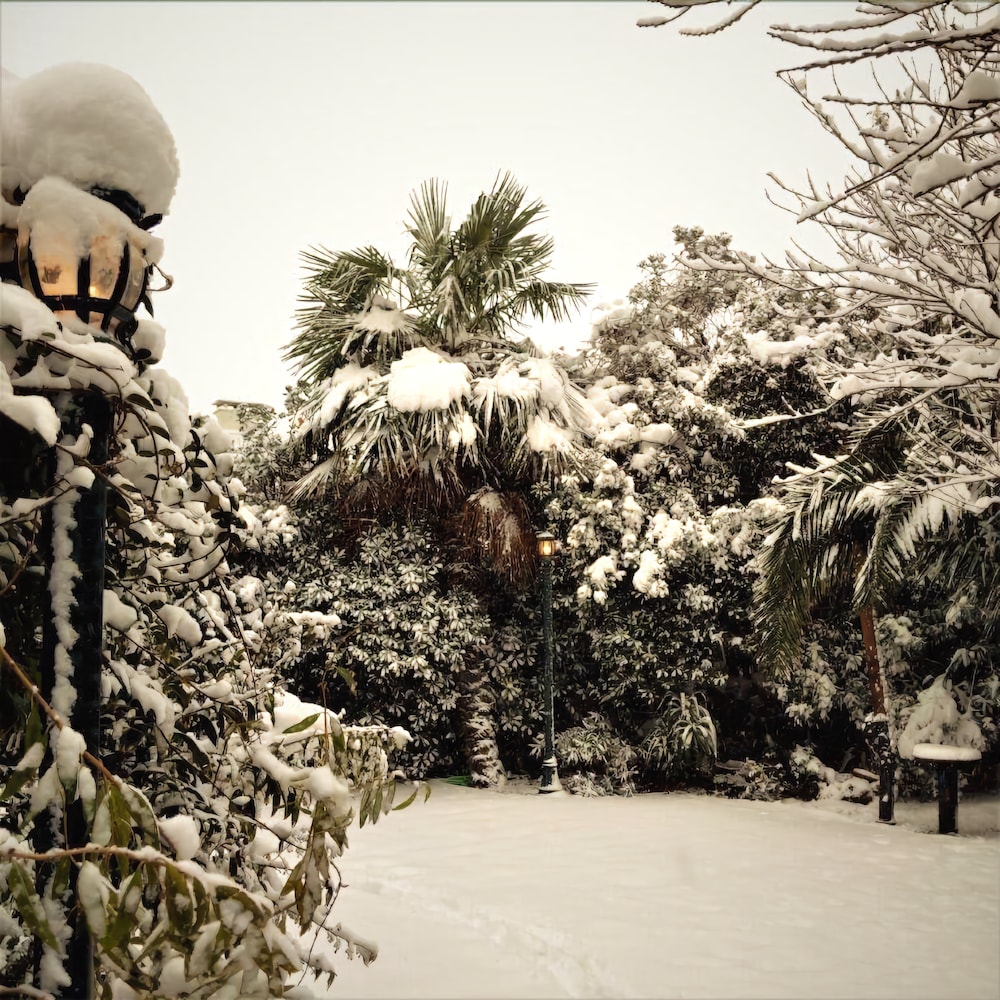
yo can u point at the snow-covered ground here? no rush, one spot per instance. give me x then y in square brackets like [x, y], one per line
[481, 894]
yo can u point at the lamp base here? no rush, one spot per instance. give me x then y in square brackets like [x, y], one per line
[550, 778]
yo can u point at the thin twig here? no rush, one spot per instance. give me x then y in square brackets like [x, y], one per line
[21, 674]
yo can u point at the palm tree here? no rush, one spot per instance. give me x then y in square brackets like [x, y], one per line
[816, 550]
[421, 393]
[852, 531]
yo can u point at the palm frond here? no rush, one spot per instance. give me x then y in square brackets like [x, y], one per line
[555, 300]
[429, 224]
[829, 514]
[315, 481]
[342, 285]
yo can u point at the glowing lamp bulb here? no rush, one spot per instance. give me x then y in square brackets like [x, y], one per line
[547, 544]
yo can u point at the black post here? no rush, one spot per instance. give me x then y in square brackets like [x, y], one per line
[947, 776]
[86, 620]
[880, 746]
[550, 775]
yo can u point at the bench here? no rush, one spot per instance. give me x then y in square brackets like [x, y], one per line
[946, 761]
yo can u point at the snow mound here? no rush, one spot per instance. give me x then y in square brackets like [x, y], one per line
[422, 380]
[91, 125]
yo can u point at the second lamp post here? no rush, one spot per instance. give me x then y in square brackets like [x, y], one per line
[547, 546]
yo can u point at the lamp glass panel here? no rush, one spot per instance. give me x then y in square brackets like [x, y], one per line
[57, 275]
[136, 278]
[105, 261]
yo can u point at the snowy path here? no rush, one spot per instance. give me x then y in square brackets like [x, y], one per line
[477, 894]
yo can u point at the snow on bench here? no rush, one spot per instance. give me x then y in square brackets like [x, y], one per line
[946, 761]
[944, 754]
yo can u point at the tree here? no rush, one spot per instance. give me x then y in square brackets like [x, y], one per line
[373, 335]
[916, 224]
[657, 566]
[917, 227]
[420, 400]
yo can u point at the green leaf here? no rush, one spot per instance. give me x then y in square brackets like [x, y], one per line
[180, 904]
[305, 723]
[141, 814]
[119, 931]
[30, 906]
[21, 776]
[60, 880]
[408, 801]
[138, 399]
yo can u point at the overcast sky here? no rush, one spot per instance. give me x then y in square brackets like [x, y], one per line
[300, 124]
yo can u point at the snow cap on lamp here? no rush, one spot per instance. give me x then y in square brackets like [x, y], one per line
[91, 125]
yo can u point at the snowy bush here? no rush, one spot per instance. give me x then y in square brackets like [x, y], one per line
[592, 759]
[760, 781]
[660, 541]
[936, 718]
[384, 635]
[681, 742]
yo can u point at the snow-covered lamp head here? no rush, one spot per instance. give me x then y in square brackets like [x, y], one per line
[90, 166]
[84, 257]
[547, 544]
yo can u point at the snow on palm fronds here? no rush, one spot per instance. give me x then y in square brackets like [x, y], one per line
[413, 373]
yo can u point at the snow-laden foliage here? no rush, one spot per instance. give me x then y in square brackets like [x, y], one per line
[380, 632]
[913, 296]
[597, 761]
[915, 224]
[661, 540]
[207, 822]
[664, 543]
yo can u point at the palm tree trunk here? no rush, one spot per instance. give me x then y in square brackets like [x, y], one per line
[477, 727]
[873, 666]
[877, 723]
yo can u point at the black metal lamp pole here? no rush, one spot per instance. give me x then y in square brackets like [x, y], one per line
[109, 312]
[86, 619]
[550, 774]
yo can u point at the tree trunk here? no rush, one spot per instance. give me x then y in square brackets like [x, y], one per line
[477, 727]
[877, 724]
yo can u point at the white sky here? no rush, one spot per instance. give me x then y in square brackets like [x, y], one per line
[299, 124]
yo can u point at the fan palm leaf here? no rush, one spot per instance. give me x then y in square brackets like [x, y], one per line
[429, 225]
[341, 288]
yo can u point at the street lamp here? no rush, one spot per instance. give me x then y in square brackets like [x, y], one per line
[86, 256]
[92, 156]
[547, 548]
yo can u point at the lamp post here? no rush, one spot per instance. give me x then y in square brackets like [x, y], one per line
[90, 167]
[99, 284]
[547, 546]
